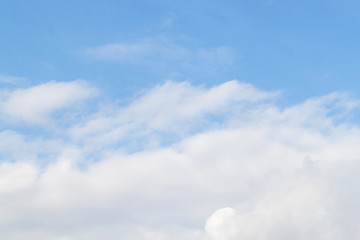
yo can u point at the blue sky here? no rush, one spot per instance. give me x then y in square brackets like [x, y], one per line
[181, 120]
[306, 48]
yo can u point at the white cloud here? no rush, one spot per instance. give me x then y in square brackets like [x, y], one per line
[296, 209]
[35, 104]
[265, 172]
[171, 108]
[16, 177]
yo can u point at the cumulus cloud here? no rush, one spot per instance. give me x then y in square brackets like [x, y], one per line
[258, 171]
[35, 104]
[298, 209]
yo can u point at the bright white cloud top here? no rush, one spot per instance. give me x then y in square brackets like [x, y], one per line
[35, 104]
[178, 162]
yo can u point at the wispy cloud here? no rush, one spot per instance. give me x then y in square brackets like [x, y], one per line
[161, 53]
[10, 79]
[264, 172]
[168, 109]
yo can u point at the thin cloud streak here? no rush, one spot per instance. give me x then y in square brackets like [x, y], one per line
[161, 54]
[11, 79]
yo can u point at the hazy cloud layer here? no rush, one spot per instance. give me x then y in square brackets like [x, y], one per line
[227, 163]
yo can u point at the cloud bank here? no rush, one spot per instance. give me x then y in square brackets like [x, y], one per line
[180, 162]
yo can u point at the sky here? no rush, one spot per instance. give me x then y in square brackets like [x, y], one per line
[196, 120]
